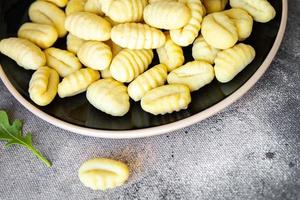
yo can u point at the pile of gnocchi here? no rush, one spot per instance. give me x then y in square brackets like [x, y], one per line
[111, 44]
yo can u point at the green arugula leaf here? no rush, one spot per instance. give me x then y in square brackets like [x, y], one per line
[12, 134]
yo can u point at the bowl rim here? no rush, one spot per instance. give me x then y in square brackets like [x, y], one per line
[158, 130]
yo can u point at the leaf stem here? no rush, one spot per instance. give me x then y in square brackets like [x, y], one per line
[40, 156]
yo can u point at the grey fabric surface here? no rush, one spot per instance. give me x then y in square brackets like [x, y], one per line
[251, 150]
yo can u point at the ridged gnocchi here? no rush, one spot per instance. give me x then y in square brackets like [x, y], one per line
[24, 52]
[59, 3]
[123, 11]
[219, 31]
[74, 43]
[96, 55]
[194, 74]
[103, 173]
[64, 62]
[43, 86]
[203, 51]
[137, 36]
[75, 6]
[94, 6]
[153, 78]
[261, 10]
[43, 35]
[166, 99]
[88, 26]
[167, 15]
[170, 54]
[109, 96]
[77, 82]
[186, 35]
[215, 5]
[47, 13]
[128, 64]
[232, 61]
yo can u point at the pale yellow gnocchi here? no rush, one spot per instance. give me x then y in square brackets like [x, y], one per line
[74, 43]
[137, 36]
[64, 62]
[47, 13]
[43, 35]
[203, 51]
[153, 78]
[93, 6]
[103, 173]
[215, 5]
[88, 26]
[43, 86]
[194, 74]
[77, 82]
[75, 6]
[128, 64]
[109, 96]
[105, 73]
[59, 3]
[23, 52]
[166, 99]
[96, 55]
[261, 10]
[230, 62]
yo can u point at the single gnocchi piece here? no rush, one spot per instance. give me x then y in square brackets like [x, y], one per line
[96, 55]
[43, 86]
[74, 6]
[123, 11]
[109, 96]
[128, 64]
[77, 82]
[24, 52]
[194, 74]
[242, 20]
[74, 43]
[153, 78]
[103, 173]
[88, 26]
[219, 31]
[167, 15]
[137, 36]
[261, 10]
[47, 13]
[59, 3]
[215, 5]
[186, 35]
[166, 99]
[203, 51]
[43, 35]
[170, 54]
[232, 61]
[64, 62]
[94, 6]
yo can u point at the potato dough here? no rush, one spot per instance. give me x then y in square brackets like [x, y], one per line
[94, 6]
[96, 55]
[215, 5]
[137, 36]
[103, 173]
[232, 61]
[203, 51]
[219, 31]
[42, 35]
[64, 62]
[153, 78]
[194, 74]
[77, 82]
[109, 96]
[261, 10]
[47, 13]
[74, 43]
[59, 3]
[88, 26]
[128, 64]
[24, 52]
[43, 86]
[166, 99]
[75, 6]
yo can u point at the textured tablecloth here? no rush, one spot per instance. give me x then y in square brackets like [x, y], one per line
[251, 150]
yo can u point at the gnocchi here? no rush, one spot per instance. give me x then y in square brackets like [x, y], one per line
[93, 6]
[43, 86]
[109, 96]
[166, 99]
[96, 55]
[194, 74]
[203, 51]
[77, 82]
[47, 13]
[215, 5]
[24, 52]
[59, 3]
[153, 78]
[64, 62]
[103, 173]
[75, 6]
[232, 61]
[74, 43]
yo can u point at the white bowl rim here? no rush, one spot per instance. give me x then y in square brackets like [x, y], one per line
[158, 130]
